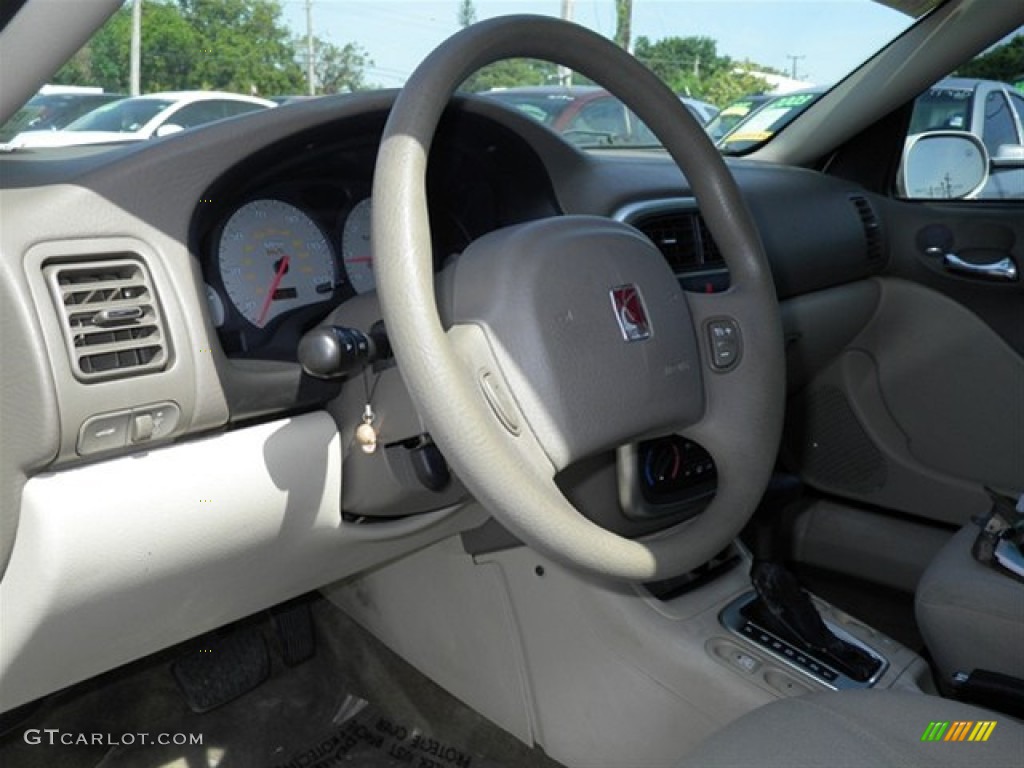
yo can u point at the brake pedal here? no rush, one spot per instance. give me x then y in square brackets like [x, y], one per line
[222, 667]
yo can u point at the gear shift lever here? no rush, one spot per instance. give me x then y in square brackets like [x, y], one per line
[784, 608]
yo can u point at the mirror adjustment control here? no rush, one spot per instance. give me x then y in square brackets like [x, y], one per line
[724, 342]
[106, 432]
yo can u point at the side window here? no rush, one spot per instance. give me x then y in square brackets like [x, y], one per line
[197, 114]
[232, 108]
[1000, 128]
[604, 117]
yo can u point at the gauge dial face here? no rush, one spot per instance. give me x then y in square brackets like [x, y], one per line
[274, 258]
[355, 248]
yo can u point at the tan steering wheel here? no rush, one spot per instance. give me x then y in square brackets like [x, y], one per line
[570, 335]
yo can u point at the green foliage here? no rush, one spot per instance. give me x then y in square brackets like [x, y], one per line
[245, 46]
[339, 69]
[234, 45]
[510, 73]
[1004, 62]
[691, 66]
[169, 44]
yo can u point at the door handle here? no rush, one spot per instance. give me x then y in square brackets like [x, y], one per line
[1004, 269]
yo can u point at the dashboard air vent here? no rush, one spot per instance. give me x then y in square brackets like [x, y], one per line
[110, 316]
[684, 240]
[872, 230]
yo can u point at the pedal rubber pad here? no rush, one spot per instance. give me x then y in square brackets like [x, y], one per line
[294, 624]
[221, 667]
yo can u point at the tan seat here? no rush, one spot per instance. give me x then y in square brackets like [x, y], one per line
[970, 616]
[857, 729]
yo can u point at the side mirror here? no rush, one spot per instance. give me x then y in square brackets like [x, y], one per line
[168, 128]
[945, 165]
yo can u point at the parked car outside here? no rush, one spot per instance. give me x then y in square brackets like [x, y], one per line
[732, 113]
[585, 115]
[588, 115]
[53, 111]
[143, 117]
[765, 121]
[990, 110]
[704, 111]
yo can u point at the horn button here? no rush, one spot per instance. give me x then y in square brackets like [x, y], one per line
[590, 328]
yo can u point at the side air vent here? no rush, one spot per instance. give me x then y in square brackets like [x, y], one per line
[872, 231]
[684, 239]
[111, 318]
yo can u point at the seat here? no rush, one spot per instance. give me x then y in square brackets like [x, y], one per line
[970, 616]
[856, 729]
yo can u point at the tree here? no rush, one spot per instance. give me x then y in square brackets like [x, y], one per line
[691, 66]
[246, 46]
[466, 14]
[339, 69]
[511, 73]
[168, 45]
[1004, 62]
[234, 45]
[623, 22]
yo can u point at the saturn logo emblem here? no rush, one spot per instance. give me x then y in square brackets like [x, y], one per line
[630, 312]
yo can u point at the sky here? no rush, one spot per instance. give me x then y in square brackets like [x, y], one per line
[828, 37]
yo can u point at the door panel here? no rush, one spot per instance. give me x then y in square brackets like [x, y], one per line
[916, 414]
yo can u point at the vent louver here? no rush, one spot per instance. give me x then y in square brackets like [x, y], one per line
[875, 246]
[684, 240]
[111, 318]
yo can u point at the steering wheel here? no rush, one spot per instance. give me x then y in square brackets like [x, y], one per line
[570, 335]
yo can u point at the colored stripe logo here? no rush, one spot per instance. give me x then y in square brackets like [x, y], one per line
[959, 730]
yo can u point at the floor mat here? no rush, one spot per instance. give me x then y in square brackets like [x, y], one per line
[354, 703]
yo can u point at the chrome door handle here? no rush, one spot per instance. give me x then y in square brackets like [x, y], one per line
[1004, 269]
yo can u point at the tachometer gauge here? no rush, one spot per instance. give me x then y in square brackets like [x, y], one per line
[355, 248]
[274, 258]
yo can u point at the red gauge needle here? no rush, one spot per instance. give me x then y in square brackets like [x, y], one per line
[282, 267]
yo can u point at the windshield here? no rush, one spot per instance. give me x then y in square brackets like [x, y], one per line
[125, 116]
[726, 54]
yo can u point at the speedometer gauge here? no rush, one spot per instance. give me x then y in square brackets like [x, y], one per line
[274, 258]
[355, 248]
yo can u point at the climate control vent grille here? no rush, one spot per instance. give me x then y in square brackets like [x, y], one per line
[110, 316]
[684, 239]
[874, 243]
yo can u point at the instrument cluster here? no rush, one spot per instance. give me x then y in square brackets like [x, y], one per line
[284, 237]
[277, 263]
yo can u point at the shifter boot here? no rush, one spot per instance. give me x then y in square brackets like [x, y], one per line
[785, 609]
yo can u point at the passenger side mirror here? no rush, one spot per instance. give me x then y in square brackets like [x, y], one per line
[944, 165]
[168, 128]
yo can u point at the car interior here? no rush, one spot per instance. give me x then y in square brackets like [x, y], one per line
[547, 457]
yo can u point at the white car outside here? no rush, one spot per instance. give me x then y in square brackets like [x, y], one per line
[142, 117]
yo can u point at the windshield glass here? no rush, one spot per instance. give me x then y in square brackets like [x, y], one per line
[125, 116]
[727, 54]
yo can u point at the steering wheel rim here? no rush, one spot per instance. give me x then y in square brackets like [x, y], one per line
[504, 447]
